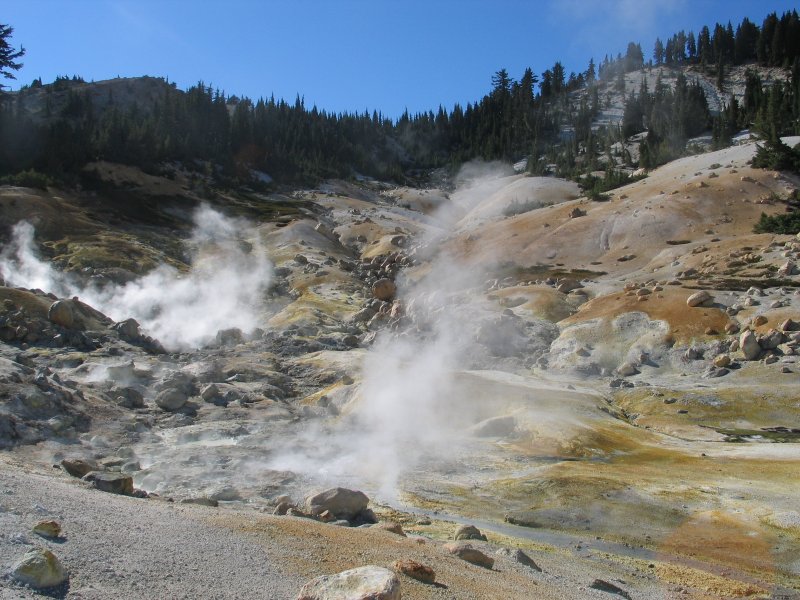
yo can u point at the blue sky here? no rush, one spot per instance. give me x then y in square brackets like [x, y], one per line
[349, 54]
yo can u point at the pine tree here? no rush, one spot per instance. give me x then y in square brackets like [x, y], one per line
[8, 55]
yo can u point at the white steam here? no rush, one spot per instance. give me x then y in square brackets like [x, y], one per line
[410, 412]
[223, 289]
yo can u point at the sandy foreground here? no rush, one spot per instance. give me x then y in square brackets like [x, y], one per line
[121, 547]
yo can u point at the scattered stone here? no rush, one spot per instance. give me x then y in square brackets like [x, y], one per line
[114, 483]
[171, 399]
[519, 556]
[626, 369]
[699, 299]
[732, 328]
[47, 529]
[467, 552]
[300, 259]
[787, 269]
[39, 568]
[605, 586]
[760, 320]
[722, 360]
[567, 285]
[789, 325]
[363, 583]
[342, 503]
[748, 343]
[77, 467]
[390, 526]
[771, 340]
[415, 570]
[468, 532]
[384, 289]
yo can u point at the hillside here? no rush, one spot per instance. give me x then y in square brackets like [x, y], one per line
[586, 410]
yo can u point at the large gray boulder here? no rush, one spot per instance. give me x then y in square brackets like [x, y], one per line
[62, 312]
[340, 502]
[39, 568]
[364, 583]
[171, 399]
[748, 344]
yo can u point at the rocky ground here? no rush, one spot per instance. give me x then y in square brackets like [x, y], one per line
[609, 387]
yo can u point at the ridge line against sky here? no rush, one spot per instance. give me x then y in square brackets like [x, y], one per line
[350, 55]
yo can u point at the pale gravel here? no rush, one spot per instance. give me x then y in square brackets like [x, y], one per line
[121, 547]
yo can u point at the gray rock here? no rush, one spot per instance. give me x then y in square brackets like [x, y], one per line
[699, 299]
[467, 552]
[39, 568]
[114, 483]
[61, 312]
[748, 344]
[468, 532]
[78, 467]
[519, 556]
[341, 502]
[771, 340]
[364, 583]
[171, 399]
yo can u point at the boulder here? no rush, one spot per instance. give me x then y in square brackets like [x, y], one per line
[171, 399]
[78, 467]
[627, 369]
[415, 570]
[468, 532]
[771, 340]
[699, 299]
[467, 552]
[128, 330]
[384, 289]
[342, 503]
[567, 285]
[114, 483]
[61, 312]
[519, 556]
[363, 583]
[39, 568]
[748, 344]
[787, 269]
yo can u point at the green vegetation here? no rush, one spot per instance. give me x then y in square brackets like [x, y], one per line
[776, 155]
[594, 187]
[30, 178]
[788, 223]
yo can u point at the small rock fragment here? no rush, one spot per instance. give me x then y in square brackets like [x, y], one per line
[48, 529]
[415, 570]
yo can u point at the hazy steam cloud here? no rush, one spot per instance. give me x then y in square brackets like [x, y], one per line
[223, 289]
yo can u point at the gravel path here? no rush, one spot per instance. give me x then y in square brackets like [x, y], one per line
[120, 547]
